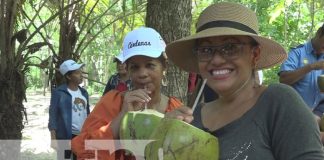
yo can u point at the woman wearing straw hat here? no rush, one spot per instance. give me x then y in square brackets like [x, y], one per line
[251, 121]
[143, 53]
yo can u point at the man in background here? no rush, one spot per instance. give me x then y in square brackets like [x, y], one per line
[304, 64]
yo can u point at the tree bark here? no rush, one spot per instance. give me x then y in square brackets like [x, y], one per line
[172, 19]
[69, 19]
[12, 83]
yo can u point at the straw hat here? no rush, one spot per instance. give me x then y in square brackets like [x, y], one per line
[221, 19]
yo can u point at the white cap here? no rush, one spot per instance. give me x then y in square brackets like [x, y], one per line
[69, 65]
[143, 41]
[119, 57]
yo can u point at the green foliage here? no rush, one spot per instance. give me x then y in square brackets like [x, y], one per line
[271, 75]
[286, 21]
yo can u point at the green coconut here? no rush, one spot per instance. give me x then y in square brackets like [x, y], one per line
[137, 125]
[178, 140]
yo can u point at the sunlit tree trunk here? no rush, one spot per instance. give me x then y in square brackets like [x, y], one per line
[172, 19]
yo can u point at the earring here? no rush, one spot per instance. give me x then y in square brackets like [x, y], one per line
[164, 79]
[256, 76]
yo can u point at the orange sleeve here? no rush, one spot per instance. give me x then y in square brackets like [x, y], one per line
[97, 126]
[173, 104]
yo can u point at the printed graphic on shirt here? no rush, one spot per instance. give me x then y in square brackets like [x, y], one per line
[78, 105]
[79, 110]
[239, 152]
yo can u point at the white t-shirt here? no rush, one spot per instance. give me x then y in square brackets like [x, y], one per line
[79, 111]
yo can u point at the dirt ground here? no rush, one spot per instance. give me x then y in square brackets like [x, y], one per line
[36, 137]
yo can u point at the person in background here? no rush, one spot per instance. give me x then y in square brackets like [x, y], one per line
[119, 81]
[192, 81]
[143, 52]
[304, 64]
[251, 121]
[69, 107]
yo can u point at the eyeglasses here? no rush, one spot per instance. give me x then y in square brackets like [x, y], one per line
[227, 51]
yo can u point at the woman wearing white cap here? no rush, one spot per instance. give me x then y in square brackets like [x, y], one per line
[251, 121]
[143, 53]
[69, 107]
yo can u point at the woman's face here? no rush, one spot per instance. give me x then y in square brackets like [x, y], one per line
[145, 72]
[226, 61]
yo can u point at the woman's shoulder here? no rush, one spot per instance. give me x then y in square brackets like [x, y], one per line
[61, 89]
[279, 89]
[112, 95]
[281, 95]
[111, 101]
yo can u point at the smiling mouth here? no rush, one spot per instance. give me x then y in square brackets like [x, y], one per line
[220, 72]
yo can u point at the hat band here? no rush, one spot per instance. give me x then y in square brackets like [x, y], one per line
[229, 24]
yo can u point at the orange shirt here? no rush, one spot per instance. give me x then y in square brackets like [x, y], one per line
[97, 125]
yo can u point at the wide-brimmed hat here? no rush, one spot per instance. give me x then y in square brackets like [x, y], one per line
[224, 19]
[143, 41]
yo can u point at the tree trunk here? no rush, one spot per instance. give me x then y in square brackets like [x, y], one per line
[69, 18]
[12, 83]
[172, 19]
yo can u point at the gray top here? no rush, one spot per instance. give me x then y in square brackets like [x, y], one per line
[278, 127]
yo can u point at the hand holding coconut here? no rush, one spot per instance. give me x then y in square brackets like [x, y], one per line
[135, 100]
[182, 113]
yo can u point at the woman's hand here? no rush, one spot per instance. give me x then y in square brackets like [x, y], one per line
[135, 100]
[132, 101]
[183, 113]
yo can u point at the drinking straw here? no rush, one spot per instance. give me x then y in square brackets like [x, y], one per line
[145, 105]
[199, 94]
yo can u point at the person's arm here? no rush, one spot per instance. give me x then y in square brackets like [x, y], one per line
[291, 77]
[291, 72]
[318, 120]
[53, 110]
[88, 102]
